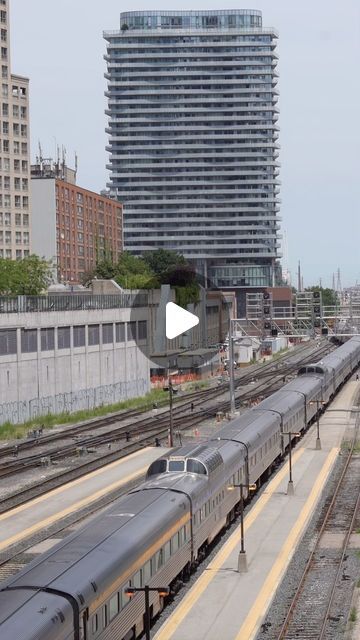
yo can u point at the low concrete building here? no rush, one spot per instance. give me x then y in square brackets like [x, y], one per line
[66, 353]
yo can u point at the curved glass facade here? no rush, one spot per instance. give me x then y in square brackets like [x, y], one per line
[192, 105]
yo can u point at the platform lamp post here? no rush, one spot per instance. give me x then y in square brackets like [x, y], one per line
[170, 388]
[291, 434]
[242, 559]
[318, 403]
[162, 591]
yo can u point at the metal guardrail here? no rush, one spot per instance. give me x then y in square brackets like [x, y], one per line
[71, 302]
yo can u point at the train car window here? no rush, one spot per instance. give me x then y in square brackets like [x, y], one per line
[167, 551]
[113, 606]
[175, 543]
[194, 466]
[194, 519]
[158, 466]
[105, 616]
[95, 623]
[136, 581]
[203, 512]
[176, 465]
[223, 494]
[124, 598]
[213, 502]
[207, 509]
[147, 572]
[159, 559]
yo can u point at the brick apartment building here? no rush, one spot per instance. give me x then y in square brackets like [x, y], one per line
[72, 226]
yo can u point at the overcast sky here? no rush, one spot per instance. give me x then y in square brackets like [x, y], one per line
[59, 46]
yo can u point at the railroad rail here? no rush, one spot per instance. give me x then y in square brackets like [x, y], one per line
[141, 434]
[310, 609]
[243, 378]
[150, 425]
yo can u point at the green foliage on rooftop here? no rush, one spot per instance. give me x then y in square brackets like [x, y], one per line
[149, 272]
[28, 277]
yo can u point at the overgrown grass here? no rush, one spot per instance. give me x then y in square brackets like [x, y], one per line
[353, 615]
[10, 431]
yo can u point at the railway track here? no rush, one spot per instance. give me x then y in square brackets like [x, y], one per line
[141, 434]
[312, 613]
[13, 558]
[147, 425]
[243, 378]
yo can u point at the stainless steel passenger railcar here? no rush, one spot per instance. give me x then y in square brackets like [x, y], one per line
[158, 532]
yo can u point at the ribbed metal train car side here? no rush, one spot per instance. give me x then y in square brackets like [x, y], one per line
[151, 535]
[94, 565]
[343, 361]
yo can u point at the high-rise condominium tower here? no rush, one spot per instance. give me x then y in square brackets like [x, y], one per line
[15, 240]
[193, 139]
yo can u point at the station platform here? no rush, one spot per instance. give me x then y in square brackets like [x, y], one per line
[230, 605]
[35, 515]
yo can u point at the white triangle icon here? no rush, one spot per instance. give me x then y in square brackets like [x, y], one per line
[178, 320]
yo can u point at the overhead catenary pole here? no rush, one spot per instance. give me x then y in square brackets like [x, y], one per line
[231, 368]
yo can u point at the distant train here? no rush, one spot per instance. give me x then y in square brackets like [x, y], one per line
[158, 532]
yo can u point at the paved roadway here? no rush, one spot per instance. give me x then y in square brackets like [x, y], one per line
[231, 606]
[27, 519]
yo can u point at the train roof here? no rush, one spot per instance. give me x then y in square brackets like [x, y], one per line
[89, 560]
[40, 615]
[303, 384]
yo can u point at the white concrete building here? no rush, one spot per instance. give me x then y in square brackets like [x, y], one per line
[56, 361]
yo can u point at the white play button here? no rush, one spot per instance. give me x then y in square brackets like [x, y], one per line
[178, 320]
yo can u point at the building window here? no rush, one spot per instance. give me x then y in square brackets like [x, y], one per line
[18, 219]
[93, 334]
[26, 237]
[142, 330]
[47, 339]
[25, 219]
[107, 333]
[64, 338]
[5, 128]
[120, 332]
[18, 237]
[18, 254]
[16, 110]
[28, 340]
[17, 202]
[6, 146]
[79, 336]
[131, 331]
[7, 342]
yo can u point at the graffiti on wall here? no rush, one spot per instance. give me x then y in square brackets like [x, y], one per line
[18, 412]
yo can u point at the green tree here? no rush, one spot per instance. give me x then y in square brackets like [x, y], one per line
[163, 261]
[329, 296]
[30, 276]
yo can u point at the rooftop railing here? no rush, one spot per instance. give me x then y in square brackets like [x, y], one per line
[71, 302]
